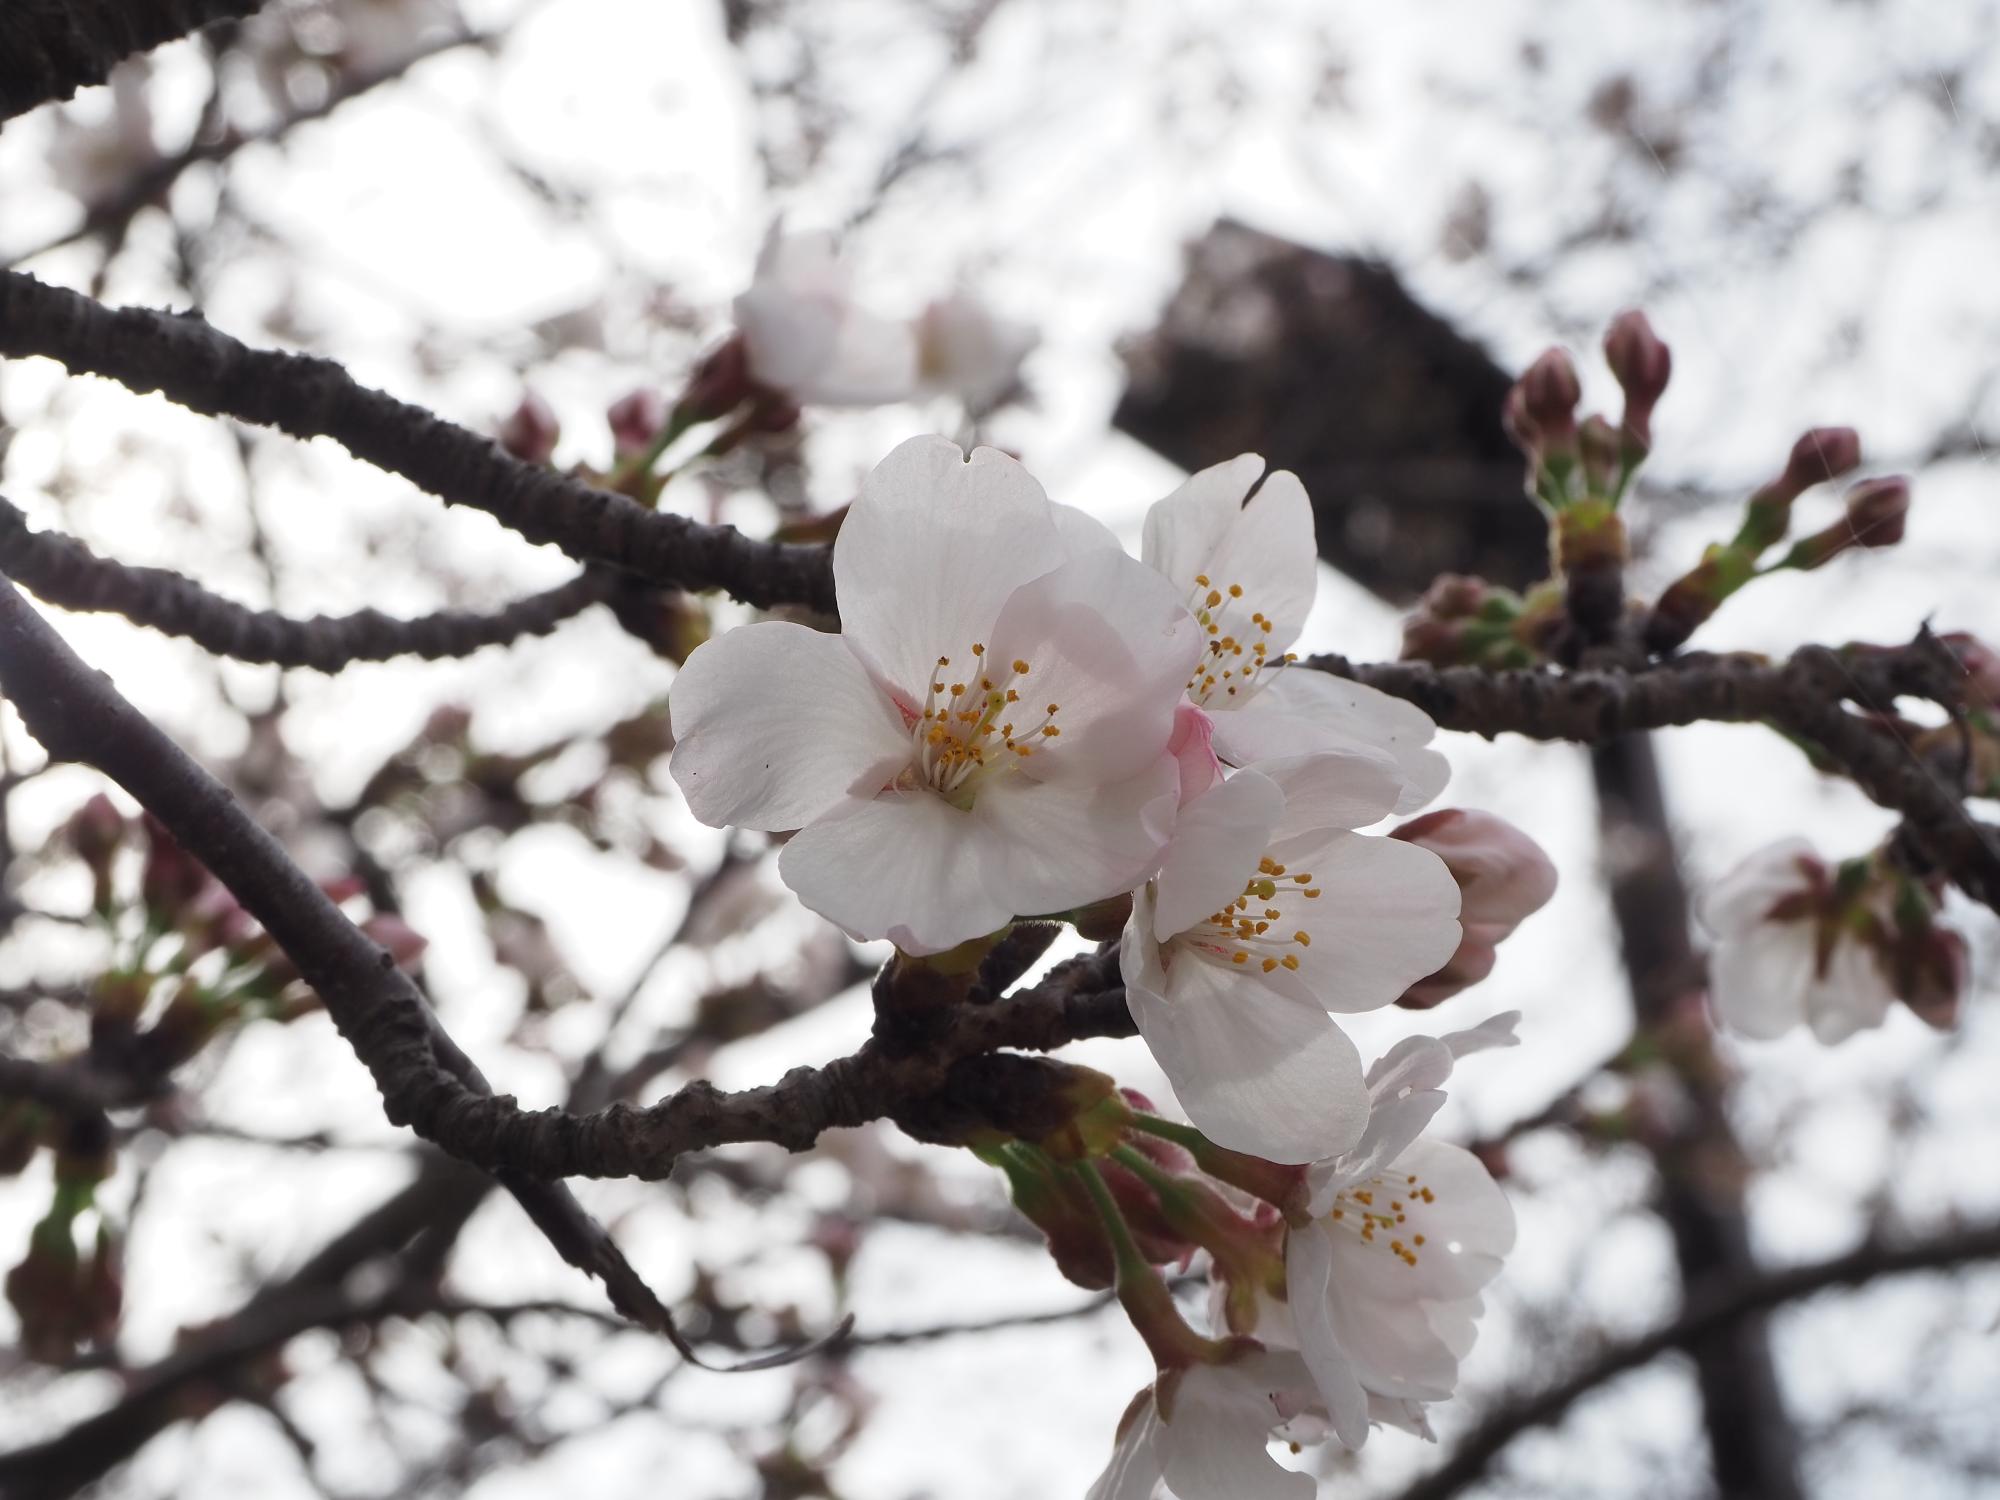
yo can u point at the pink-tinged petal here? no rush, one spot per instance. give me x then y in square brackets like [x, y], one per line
[1193, 749]
[1308, 1269]
[1216, 1439]
[1187, 528]
[904, 866]
[1216, 844]
[1502, 873]
[1299, 710]
[1053, 845]
[1106, 640]
[1757, 982]
[1332, 790]
[1386, 915]
[775, 724]
[1255, 1061]
[910, 867]
[928, 555]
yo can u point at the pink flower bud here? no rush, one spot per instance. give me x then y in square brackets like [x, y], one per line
[636, 420]
[530, 430]
[1642, 364]
[170, 877]
[1877, 510]
[720, 383]
[1478, 951]
[1820, 454]
[95, 830]
[398, 938]
[1549, 394]
[1603, 451]
[1502, 874]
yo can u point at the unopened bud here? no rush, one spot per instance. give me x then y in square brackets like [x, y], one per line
[530, 430]
[170, 877]
[720, 383]
[1642, 364]
[1820, 454]
[95, 831]
[1103, 920]
[402, 942]
[1503, 876]
[1550, 392]
[1878, 510]
[1981, 683]
[636, 420]
[1478, 951]
[1603, 454]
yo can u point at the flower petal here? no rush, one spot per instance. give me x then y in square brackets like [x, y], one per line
[1854, 995]
[1385, 918]
[1757, 982]
[1743, 898]
[775, 724]
[1187, 528]
[1055, 845]
[1308, 1269]
[1254, 1059]
[1134, 1470]
[1216, 1440]
[1300, 710]
[1107, 640]
[1215, 848]
[1334, 789]
[930, 551]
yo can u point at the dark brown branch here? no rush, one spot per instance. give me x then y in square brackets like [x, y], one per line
[65, 572]
[1703, 1315]
[207, 371]
[1804, 696]
[51, 48]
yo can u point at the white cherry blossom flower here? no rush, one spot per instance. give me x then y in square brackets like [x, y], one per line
[964, 350]
[1205, 1433]
[1384, 1284]
[1267, 914]
[1782, 955]
[807, 337]
[1249, 570]
[987, 736]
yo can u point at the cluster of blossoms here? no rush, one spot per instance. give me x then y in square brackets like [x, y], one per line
[1019, 719]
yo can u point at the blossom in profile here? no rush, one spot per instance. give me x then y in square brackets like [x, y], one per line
[987, 737]
[1791, 949]
[1384, 1283]
[1205, 1432]
[809, 339]
[1268, 916]
[1246, 564]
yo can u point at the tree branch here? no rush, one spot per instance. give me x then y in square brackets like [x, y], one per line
[51, 48]
[1704, 1314]
[182, 357]
[65, 572]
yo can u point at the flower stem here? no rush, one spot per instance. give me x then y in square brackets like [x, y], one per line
[1141, 1289]
[1277, 1185]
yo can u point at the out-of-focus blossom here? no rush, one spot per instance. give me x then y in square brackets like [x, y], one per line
[807, 337]
[964, 350]
[96, 161]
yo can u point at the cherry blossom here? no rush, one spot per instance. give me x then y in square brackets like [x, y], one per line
[1267, 914]
[964, 350]
[1384, 1284]
[1249, 569]
[808, 338]
[987, 737]
[1787, 949]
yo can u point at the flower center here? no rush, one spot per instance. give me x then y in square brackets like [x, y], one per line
[1237, 649]
[973, 727]
[1253, 927]
[1375, 1212]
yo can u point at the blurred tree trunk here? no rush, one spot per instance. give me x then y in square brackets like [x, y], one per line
[1329, 368]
